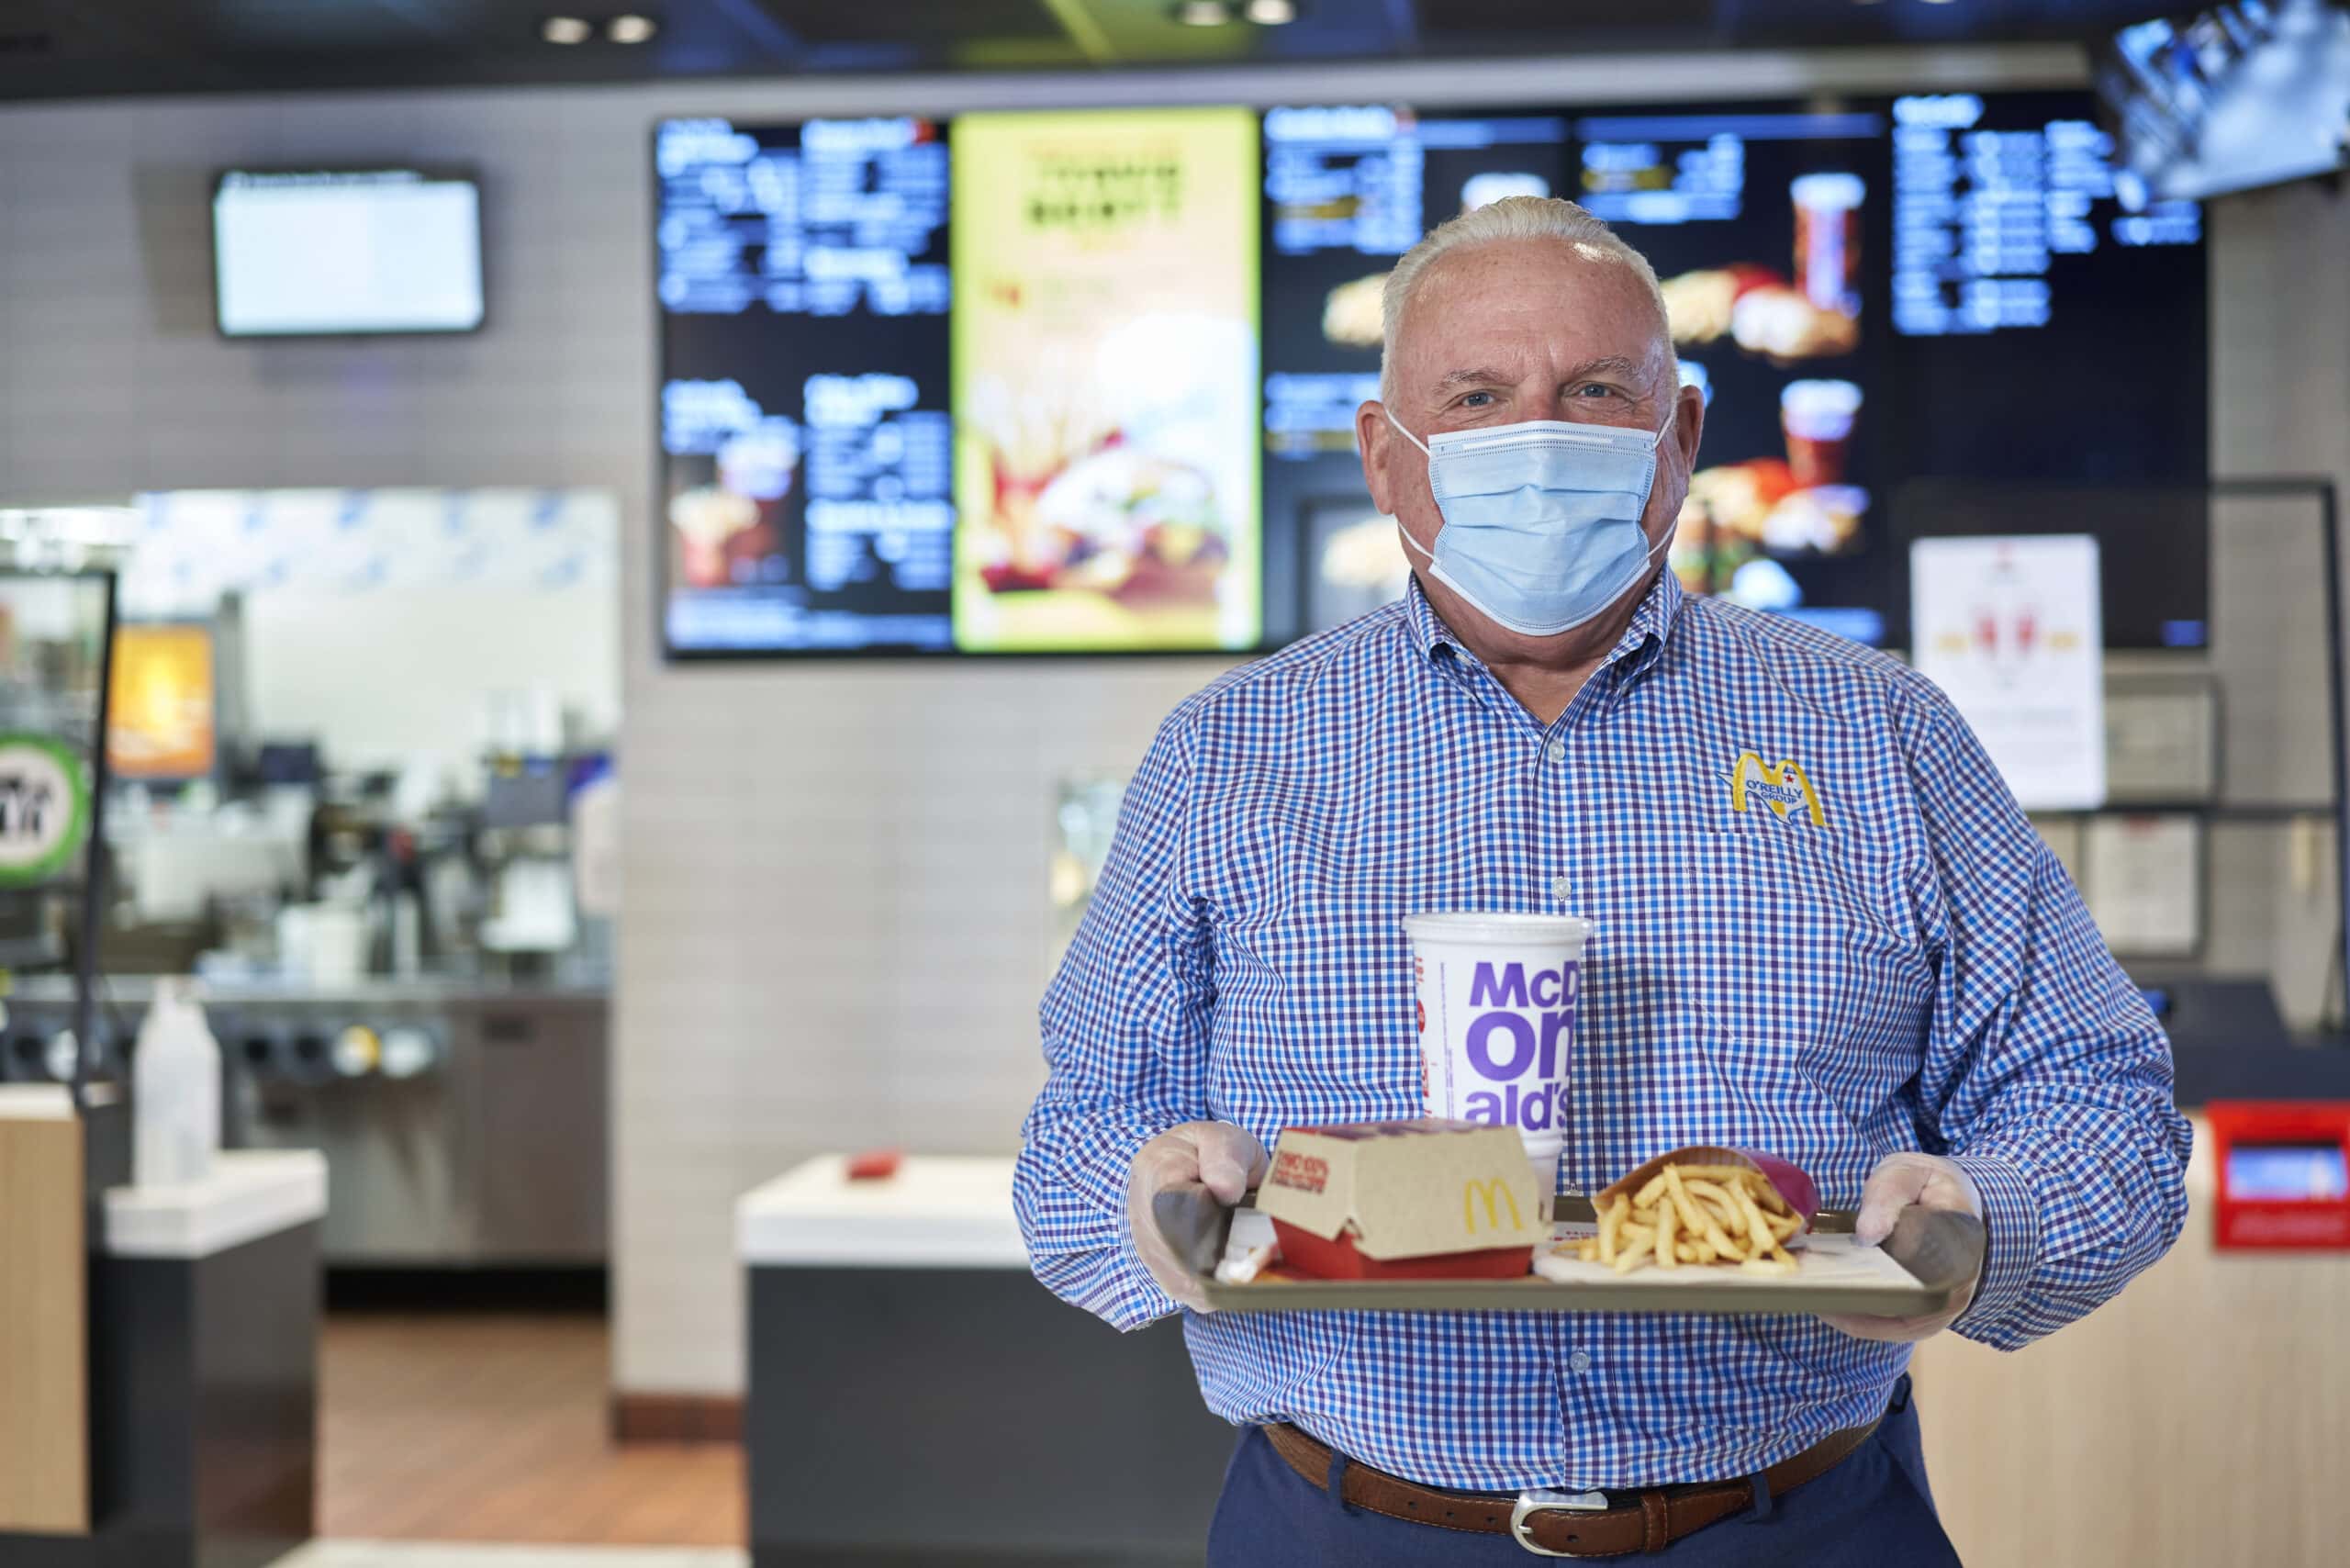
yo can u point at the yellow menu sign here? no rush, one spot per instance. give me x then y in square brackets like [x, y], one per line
[1105, 382]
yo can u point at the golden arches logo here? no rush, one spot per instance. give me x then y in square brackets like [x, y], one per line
[1773, 786]
[1496, 1192]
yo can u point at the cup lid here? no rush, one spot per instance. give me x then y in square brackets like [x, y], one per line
[1467, 925]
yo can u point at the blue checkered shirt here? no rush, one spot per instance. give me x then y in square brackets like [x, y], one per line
[1916, 971]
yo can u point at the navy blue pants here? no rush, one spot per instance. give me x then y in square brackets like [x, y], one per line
[1871, 1511]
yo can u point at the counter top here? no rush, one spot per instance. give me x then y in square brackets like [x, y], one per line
[251, 1193]
[2320, 1070]
[935, 1213]
[36, 1103]
[380, 991]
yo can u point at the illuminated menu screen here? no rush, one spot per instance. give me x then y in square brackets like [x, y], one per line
[2051, 340]
[1090, 381]
[1348, 189]
[1987, 212]
[1105, 381]
[808, 449]
[1764, 227]
[837, 217]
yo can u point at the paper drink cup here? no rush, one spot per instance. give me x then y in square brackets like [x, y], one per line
[1496, 1017]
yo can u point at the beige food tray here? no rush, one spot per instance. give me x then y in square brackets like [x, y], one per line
[1924, 1267]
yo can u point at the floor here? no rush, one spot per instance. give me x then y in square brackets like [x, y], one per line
[493, 1429]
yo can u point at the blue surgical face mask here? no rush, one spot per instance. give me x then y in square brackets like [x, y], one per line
[1541, 519]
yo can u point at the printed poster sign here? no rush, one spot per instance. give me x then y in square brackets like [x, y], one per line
[2010, 628]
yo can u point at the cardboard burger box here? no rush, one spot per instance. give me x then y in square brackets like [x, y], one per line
[1425, 1199]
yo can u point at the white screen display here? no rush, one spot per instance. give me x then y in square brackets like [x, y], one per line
[387, 252]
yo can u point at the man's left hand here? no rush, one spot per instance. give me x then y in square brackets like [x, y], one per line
[1899, 1181]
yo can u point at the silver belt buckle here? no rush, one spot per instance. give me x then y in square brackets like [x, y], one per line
[1532, 1503]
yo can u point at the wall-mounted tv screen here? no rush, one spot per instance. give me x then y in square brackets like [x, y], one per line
[1086, 381]
[299, 254]
[2230, 97]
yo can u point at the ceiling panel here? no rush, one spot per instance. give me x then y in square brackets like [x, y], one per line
[1486, 21]
[818, 22]
[338, 24]
[67, 47]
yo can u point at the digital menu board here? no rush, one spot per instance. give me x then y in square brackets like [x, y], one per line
[2052, 332]
[805, 442]
[2020, 262]
[1348, 190]
[1087, 381]
[1763, 224]
[1105, 381]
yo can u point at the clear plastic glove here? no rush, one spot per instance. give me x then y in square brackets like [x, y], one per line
[1900, 1181]
[1227, 1159]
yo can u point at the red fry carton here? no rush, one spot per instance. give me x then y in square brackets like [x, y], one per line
[1792, 1183]
[1404, 1200]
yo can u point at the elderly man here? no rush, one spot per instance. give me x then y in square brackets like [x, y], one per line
[1903, 993]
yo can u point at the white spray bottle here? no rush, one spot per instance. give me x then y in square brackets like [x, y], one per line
[176, 1091]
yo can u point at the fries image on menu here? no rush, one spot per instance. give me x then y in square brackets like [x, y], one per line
[1704, 1214]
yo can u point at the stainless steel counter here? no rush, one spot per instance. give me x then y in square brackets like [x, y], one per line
[138, 991]
[464, 1122]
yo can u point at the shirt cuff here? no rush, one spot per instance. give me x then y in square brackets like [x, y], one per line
[1143, 1301]
[1112, 1284]
[2011, 1223]
[1073, 1216]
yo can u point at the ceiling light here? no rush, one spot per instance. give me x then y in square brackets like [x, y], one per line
[1270, 13]
[1203, 12]
[631, 29]
[565, 29]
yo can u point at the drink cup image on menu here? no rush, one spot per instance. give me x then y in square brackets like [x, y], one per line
[1818, 418]
[1827, 240]
[1496, 1011]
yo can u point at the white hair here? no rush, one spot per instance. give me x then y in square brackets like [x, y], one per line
[1498, 223]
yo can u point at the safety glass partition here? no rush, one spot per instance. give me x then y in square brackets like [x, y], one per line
[58, 575]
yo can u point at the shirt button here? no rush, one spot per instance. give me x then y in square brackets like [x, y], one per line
[1556, 750]
[1579, 1362]
[1560, 888]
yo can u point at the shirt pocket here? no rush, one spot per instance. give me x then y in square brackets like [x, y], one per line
[1800, 943]
[1766, 991]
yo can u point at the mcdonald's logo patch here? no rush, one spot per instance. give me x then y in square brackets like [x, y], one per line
[1785, 790]
[1496, 1192]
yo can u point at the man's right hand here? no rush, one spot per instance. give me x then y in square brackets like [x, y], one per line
[1226, 1159]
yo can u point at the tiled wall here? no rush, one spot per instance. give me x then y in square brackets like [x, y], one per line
[836, 920]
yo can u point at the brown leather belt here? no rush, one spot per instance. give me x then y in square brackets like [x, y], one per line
[1648, 1520]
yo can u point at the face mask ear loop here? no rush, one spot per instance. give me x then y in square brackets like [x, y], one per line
[1673, 531]
[1415, 441]
[1407, 435]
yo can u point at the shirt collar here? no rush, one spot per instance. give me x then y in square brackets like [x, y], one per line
[1651, 623]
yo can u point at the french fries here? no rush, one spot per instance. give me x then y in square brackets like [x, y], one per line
[1701, 1214]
